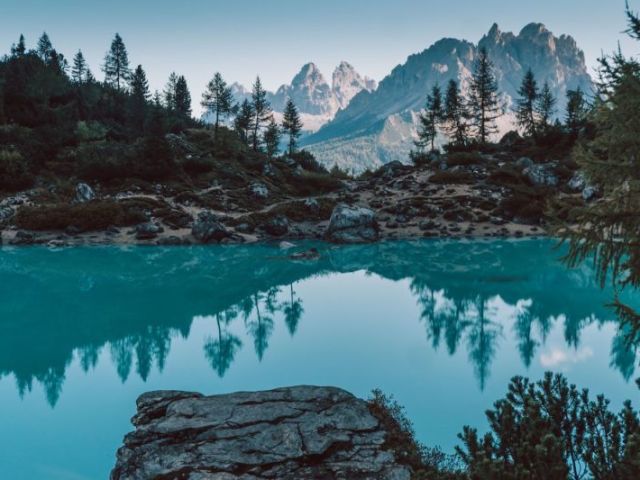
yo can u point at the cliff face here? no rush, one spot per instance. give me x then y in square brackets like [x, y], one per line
[288, 433]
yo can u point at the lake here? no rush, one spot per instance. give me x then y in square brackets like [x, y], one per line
[441, 325]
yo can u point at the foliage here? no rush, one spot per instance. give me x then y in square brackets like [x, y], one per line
[430, 119]
[13, 172]
[291, 124]
[483, 99]
[218, 99]
[526, 105]
[551, 430]
[116, 64]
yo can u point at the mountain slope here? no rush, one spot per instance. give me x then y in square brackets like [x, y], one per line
[384, 120]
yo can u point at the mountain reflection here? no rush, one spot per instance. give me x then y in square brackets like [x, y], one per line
[131, 303]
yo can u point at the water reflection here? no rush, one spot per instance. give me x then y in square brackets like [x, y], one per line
[472, 297]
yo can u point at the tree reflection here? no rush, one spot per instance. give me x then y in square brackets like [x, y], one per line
[293, 312]
[221, 351]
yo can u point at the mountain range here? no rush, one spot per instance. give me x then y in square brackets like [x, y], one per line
[360, 125]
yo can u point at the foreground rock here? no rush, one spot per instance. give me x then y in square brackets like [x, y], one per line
[285, 434]
[351, 224]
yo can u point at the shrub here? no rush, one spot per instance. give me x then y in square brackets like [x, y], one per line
[103, 161]
[452, 177]
[463, 158]
[307, 161]
[506, 177]
[96, 215]
[14, 175]
[310, 183]
[90, 131]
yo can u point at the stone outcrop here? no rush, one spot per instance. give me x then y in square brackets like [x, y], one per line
[84, 193]
[207, 228]
[286, 434]
[352, 224]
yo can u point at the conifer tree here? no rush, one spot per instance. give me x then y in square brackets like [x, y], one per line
[182, 98]
[116, 64]
[456, 114]
[243, 123]
[20, 49]
[44, 47]
[483, 100]
[261, 111]
[430, 119]
[545, 107]
[291, 124]
[271, 138]
[169, 92]
[526, 104]
[79, 70]
[139, 98]
[218, 99]
[607, 231]
[576, 111]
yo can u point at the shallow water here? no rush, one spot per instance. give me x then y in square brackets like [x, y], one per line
[441, 325]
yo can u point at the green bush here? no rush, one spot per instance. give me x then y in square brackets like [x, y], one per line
[96, 215]
[90, 131]
[310, 183]
[307, 161]
[14, 174]
[452, 178]
[463, 159]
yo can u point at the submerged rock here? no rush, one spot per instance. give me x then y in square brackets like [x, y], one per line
[286, 434]
[352, 225]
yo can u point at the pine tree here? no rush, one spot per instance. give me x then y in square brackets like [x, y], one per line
[79, 70]
[291, 124]
[218, 99]
[607, 232]
[576, 111]
[138, 100]
[526, 105]
[116, 64]
[44, 47]
[483, 99]
[182, 98]
[545, 107]
[243, 123]
[169, 92]
[20, 49]
[456, 114]
[261, 110]
[271, 138]
[430, 119]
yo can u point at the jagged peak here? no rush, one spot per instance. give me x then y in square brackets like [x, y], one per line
[494, 31]
[308, 73]
[533, 29]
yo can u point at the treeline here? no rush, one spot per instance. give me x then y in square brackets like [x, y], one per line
[471, 121]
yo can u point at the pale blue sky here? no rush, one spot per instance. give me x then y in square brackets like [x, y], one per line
[275, 37]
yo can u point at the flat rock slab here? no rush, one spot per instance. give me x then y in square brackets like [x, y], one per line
[285, 434]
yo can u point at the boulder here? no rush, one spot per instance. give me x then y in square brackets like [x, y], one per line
[23, 238]
[541, 175]
[148, 231]
[286, 434]
[259, 190]
[207, 228]
[6, 213]
[277, 226]
[524, 162]
[84, 193]
[352, 224]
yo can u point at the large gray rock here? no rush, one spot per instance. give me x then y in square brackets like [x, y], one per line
[84, 193]
[286, 434]
[207, 229]
[541, 175]
[351, 224]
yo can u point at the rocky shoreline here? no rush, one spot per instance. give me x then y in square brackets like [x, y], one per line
[481, 197]
[286, 434]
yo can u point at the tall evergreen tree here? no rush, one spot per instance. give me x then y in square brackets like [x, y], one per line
[79, 70]
[20, 49]
[456, 114]
[182, 98]
[545, 107]
[138, 100]
[116, 64]
[576, 110]
[430, 119]
[291, 124]
[169, 92]
[483, 100]
[526, 104]
[217, 99]
[243, 123]
[261, 110]
[271, 138]
[44, 47]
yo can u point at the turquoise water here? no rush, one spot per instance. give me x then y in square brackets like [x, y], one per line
[441, 325]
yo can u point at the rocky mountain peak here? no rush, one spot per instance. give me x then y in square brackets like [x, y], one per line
[347, 83]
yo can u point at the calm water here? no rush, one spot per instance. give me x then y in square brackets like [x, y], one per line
[440, 325]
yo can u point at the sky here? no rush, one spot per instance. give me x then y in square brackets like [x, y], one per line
[274, 38]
